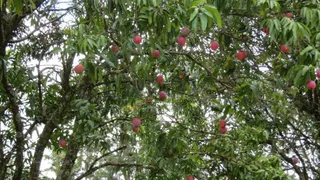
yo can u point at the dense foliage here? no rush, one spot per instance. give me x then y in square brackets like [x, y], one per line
[216, 89]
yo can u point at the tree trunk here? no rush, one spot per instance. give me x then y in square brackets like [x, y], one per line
[69, 161]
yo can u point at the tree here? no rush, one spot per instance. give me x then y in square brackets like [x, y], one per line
[255, 77]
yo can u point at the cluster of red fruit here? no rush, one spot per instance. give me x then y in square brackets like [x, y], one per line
[294, 160]
[162, 94]
[136, 122]
[286, 49]
[312, 84]
[190, 178]
[63, 143]
[214, 45]
[222, 126]
[283, 48]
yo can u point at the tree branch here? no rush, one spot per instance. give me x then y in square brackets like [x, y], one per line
[16, 121]
[36, 29]
[90, 171]
[104, 155]
[55, 118]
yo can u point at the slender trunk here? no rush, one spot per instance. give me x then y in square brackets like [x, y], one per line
[2, 164]
[18, 125]
[55, 118]
[41, 145]
[19, 142]
[69, 161]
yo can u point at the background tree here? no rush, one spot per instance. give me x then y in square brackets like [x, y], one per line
[158, 89]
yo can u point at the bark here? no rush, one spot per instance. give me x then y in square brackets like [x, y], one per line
[115, 164]
[55, 118]
[41, 145]
[69, 160]
[18, 125]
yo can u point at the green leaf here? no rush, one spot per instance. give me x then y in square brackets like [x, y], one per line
[91, 43]
[194, 14]
[305, 50]
[204, 21]
[297, 78]
[215, 13]
[18, 6]
[195, 25]
[107, 60]
[205, 11]
[197, 3]
[305, 70]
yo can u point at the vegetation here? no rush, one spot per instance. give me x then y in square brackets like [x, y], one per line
[175, 89]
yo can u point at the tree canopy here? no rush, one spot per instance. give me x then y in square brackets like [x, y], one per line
[175, 89]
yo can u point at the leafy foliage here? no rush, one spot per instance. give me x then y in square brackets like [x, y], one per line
[271, 115]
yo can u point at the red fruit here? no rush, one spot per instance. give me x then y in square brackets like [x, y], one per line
[155, 54]
[318, 74]
[288, 15]
[181, 75]
[162, 95]
[63, 143]
[240, 55]
[115, 48]
[214, 45]
[181, 41]
[137, 39]
[135, 129]
[79, 68]
[294, 160]
[160, 80]
[222, 123]
[185, 31]
[223, 130]
[149, 100]
[136, 122]
[245, 54]
[284, 48]
[190, 178]
[266, 30]
[311, 85]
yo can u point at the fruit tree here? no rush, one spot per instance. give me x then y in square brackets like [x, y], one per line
[175, 89]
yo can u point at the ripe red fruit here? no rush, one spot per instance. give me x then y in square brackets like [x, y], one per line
[294, 160]
[79, 68]
[149, 100]
[266, 30]
[137, 39]
[288, 15]
[214, 45]
[190, 178]
[223, 130]
[155, 54]
[318, 74]
[311, 85]
[63, 143]
[115, 48]
[136, 122]
[135, 129]
[181, 75]
[222, 123]
[240, 55]
[181, 41]
[245, 54]
[160, 80]
[185, 31]
[162, 95]
[284, 48]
